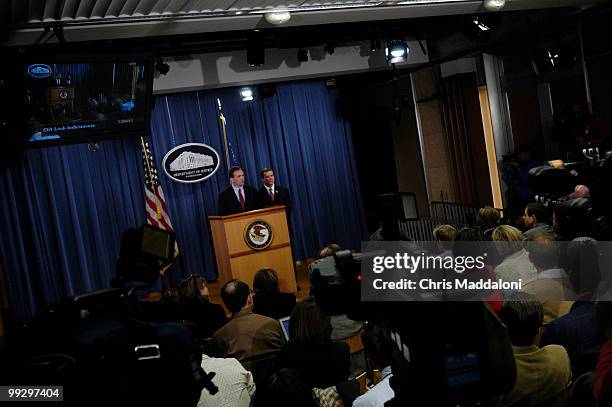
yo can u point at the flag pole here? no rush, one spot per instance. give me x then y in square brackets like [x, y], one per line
[222, 118]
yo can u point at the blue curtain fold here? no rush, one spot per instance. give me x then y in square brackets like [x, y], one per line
[63, 209]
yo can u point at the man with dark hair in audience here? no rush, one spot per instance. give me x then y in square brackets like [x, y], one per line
[237, 197]
[552, 286]
[541, 373]
[537, 220]
[488, 219]
[577, 331]
[271, 194]
[246, 335]
[378, 354]
[267, 298]
[329, 250]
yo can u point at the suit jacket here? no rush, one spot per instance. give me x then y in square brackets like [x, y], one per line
[281, 197]
[248, 335]
[229, 203]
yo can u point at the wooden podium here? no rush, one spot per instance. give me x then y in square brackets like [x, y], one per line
[237, 259]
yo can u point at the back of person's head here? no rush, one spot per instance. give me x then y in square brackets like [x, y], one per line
[191, 289]
[582, 264]
[539, 210]
[235, 294]
[464, 246]
[265, 281]
[376, 346]
[285, 388]
[581, 392]
[445, 235]
[488, 217]
[511, 238]
[543, 251]
[329, 250]
[308, 324]
[523, 315]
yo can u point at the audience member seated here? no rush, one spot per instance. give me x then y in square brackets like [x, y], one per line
[552, 286]
[541, 373]
[487, 220]
[285, 388]
[444, 235]
[247, 335]
[515, 262]
[537, 220]
[267, 298]
[196, 307]
[603, 371]
[235, 383]
[310, 351]
[378, 354]
[577, 331]
[581, 392]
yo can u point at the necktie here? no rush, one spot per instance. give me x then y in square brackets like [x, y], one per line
[241, 198]
[271, 194]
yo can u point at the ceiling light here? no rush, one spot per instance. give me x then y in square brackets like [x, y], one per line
[494, 5]
[277, 17]
[246, 94]
[396, 51]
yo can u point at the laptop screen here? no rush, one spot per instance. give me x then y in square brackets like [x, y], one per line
[284, 322]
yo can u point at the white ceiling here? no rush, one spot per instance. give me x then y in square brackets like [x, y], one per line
[87, 20]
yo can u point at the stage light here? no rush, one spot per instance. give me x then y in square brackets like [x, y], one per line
[302, 55]
[480, 24]
[330, 47]
[161, 67]
[553, 57]
[494, 5]
[246, 94]
[396, 51]
[255, 49]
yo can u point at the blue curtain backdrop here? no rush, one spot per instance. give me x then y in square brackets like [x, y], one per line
[63, 209]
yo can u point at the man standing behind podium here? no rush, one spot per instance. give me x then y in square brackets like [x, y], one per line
[238, 197]
[271, 194]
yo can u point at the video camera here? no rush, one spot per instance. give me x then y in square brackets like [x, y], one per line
[555, 184]
[443, 353]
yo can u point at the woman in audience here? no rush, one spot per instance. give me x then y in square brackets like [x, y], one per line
[310, 351]
[196, 308]
[268, 300]
[515, 264]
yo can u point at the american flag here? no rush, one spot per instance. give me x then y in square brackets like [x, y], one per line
[155, 202]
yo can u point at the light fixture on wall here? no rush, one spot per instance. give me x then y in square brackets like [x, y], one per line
[396, 51]
[247, 94]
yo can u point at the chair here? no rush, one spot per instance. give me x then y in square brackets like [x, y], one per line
[357, 353]
[261, 367]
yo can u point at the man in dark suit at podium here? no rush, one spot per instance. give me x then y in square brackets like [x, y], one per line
[238, 197]
[271, 194]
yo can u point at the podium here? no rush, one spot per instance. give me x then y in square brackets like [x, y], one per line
[249, 241]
